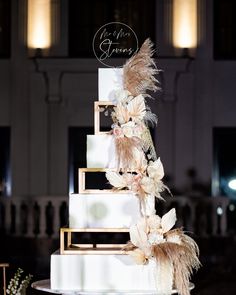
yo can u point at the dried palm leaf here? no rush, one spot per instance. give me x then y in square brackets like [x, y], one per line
[120, 114]
[129, 246]
[136, 108]
[116, 179]
[168, 220]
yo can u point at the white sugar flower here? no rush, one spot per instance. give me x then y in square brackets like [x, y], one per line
[156, 238]
[155, 170]
[121, 95]
[154, 222]
[128, 129]
[138, 236]
[151, 230]
[148, 185]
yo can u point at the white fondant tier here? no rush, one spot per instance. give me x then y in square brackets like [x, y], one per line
[107, 272]
[101, 151]
[109, 81]
[113, 210]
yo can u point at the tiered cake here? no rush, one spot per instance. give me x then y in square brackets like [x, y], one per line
[156, 259]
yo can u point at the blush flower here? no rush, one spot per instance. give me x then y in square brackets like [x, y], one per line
[117, 131]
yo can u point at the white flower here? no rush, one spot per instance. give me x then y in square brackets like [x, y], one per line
[174, 239]
[156, 238]
[155, 170]
[138, 236]
[151, 229]
[154, 222]
[138, 256]
[117, 131]
[138, 130]
[128, 129]
[121, 95]
[148, 185]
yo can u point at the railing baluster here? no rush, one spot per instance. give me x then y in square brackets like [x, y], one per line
[56, 225]
[42, 218]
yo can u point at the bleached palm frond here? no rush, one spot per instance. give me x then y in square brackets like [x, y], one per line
[120, 114]
[136, 108]
[168, 220]
[116, 179]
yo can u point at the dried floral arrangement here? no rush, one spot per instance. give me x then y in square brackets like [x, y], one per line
[152, 239]
[17, 285]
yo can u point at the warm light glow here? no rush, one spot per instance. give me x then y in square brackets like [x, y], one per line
[232, 184]
[185, 23]
[39, 23]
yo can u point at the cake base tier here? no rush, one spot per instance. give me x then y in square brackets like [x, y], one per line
[103, 274]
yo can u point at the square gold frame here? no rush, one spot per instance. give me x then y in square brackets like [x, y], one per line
[82, 188]
[97, 105]
[67, 247]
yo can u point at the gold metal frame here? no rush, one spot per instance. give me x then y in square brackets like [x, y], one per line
[67, 247]
[97, 105]
[3, 266]
[82, 188]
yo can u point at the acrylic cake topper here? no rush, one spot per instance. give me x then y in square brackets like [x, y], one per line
[112, 40]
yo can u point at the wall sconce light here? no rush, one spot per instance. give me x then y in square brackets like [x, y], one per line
[39, 25]
[185, 24]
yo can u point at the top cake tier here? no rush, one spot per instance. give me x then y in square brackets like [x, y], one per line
[109, 81]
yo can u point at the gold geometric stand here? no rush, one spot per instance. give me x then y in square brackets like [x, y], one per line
[97, 111]
[3, 266]
[82, 182]
[67, 247]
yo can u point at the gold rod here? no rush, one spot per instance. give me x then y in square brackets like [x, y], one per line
[4, 280]
[95, 230]
[62, 242]
[68, 239]
[97, 252]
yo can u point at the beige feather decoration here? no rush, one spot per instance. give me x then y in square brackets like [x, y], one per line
[164, 273]
[125, 147]
[184, 260]
[140, 70]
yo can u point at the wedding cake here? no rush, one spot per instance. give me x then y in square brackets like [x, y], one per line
[157, 258]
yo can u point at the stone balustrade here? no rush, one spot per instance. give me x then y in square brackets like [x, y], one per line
[42, 216]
